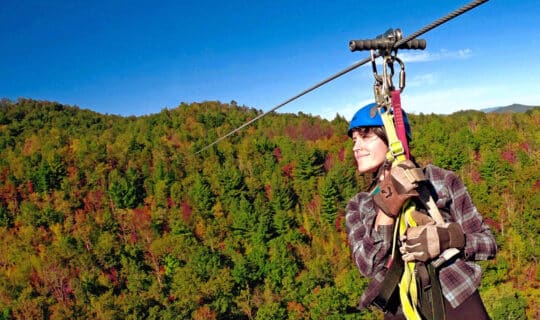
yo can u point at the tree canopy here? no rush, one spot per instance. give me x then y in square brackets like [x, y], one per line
[110, 217]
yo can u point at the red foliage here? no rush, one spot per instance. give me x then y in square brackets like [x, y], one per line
[72, 171]
[204, 312]
[141, 216]
[112, 275]
[277, 154]
[174, 140]
[68, 290]
[291, 132]
[140, 224]
[170, 202]
[307, 131]
[537, 184]
[314, 204]
[113, 163]
[35, 280]
[8, 193]
[509, 156]
[493, 224]
[341, 155]
[3, 176]
[79, 217]
[268, 191]
[290, 247]
[288, 170]
[526, 146]
[475, 176]
[29, 187]
[328, 162]
[133, 237]
[62, 290]
[93, 200]
[297, 309]
[187, 211]
[339, 221]
[531, 272]
[477, 155]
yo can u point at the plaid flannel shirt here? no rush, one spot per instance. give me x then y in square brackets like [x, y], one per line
[371, 249]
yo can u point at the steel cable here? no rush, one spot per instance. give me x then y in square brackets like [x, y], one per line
[414, 35]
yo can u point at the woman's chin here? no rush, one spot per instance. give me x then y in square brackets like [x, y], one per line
[366, 170]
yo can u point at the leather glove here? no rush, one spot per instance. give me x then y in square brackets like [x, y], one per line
[426, 242]
[395, 189]
[421, 218]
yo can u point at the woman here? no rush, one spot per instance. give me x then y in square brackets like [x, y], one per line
[370, 229]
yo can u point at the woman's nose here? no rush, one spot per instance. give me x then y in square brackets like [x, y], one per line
[358, 145]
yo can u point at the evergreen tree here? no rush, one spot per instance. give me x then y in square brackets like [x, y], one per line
[329, 196]
[201, 195]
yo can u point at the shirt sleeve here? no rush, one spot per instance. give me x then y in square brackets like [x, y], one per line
[480, 243]
[370, 248]
[453, 196]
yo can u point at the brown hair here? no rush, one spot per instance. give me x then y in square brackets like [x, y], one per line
[378, 131]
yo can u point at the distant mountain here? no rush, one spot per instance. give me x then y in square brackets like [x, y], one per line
[511, 108]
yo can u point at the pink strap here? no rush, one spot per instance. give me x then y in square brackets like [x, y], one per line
[398, 121]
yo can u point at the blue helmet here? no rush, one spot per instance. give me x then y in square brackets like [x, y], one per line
[368, 116]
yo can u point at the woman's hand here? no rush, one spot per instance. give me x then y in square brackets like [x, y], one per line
[395, 189]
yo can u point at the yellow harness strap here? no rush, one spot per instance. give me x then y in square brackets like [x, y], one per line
[396, 150]
[408, 293]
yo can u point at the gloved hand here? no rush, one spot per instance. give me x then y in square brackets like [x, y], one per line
[395, 189]
[427, 242]
[421, 218]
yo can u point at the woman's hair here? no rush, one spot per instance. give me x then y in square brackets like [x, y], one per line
[378, 131]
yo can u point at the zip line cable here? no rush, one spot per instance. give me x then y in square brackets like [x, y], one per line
[337, 75]
[396, 45]
[440, 21]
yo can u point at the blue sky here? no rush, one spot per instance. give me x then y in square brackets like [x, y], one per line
[139, 57]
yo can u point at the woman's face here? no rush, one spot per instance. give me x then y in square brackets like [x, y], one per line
[369, 150]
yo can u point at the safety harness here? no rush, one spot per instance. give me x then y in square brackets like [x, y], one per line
[413, 284]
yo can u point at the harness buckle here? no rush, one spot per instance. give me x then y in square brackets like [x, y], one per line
[395, 150]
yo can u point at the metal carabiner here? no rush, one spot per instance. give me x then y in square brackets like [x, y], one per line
[388, 63]
[401, 74]
[379, 82]
[374, 66]
[384, 83]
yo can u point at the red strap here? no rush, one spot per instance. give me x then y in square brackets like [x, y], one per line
[398, 121]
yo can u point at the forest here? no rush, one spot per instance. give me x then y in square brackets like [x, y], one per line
[111, 217]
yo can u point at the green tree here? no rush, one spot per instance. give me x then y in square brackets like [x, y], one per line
[308, 168]
[127, 190]
[329, 196]
[201, 195]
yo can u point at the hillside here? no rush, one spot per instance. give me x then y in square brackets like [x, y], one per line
[511, 108]
[108, 217]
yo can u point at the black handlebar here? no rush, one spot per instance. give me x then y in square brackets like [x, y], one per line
[385, 44]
